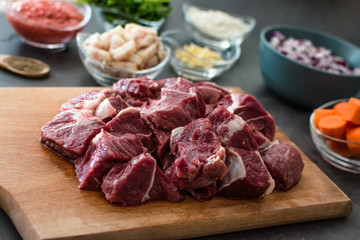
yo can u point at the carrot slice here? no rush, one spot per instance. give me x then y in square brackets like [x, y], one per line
[340, 108]
[352, 113]
[320, 113]
[340, 148]
[333, 125]
[353, 135]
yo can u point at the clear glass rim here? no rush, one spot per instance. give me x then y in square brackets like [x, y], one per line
[251, 21]
[80, 38]
[167, 36]
[87, 15]
[325, 106]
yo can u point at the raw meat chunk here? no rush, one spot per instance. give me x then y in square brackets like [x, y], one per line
[79, 101]
[166, 160]
[118, 103]
[211, 92]
[180, 84]
[185, 86]
[232, 129]
[284, 163]
[247, 107]
[162, 139]
[247, 177]
[168, 82]
[130, 121]
[261, 140]
[136, 91]
[105, 111]
[177, 106]
[109, 107]
[199, 156]
[70, 132]
[88, 101]
[138, 181]
[105, 151]
[204, 193]
[210, 108]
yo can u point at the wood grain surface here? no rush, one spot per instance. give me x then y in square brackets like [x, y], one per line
[38, 189]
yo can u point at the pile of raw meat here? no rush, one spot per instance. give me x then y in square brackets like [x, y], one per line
[146, 140]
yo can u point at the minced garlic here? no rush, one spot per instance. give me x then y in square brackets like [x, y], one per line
[197, 56]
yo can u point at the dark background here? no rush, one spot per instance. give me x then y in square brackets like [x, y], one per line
[338, 17]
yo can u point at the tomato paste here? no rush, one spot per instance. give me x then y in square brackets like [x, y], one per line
[43, 21]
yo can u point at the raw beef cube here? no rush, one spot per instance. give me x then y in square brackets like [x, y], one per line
[136, 91]
[88, 101]
[105, 111]
[181, 85]
[204, 193]
[247, 177]
[138, 181]
[247, 107]
[166, 160]
[199, 156]
[232, 129]
[175, 108]
[109, 107]
[70, 132]
[185, 86]
[162, 139]
[79, 101]
[210, 108]
[261, 139]
[167, 82]
[130, 121]
[118, 103]
[166, 113]
[105, 151]
[211, 92]
[284, 163]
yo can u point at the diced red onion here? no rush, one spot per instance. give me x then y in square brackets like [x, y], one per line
[303, 51]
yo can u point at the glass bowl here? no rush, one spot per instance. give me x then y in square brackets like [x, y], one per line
[208, 34]
[177, 38]
[331, 149]
[106, 75]
[43, 35]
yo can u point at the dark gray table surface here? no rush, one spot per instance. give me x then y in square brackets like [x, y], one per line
[341, 18]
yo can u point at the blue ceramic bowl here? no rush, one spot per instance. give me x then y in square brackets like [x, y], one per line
[305, 85]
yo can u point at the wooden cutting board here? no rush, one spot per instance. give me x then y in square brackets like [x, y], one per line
[38, 189]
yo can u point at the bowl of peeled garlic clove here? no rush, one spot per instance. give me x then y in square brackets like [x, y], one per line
[123, 52]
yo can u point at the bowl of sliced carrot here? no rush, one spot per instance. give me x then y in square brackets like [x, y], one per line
[335, 130]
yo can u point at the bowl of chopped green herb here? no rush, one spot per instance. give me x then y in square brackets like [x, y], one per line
[150, 13]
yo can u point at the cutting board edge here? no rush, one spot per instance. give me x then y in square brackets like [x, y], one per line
[194, 228]
[21, 222]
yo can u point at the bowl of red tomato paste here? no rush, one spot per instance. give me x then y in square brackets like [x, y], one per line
[47, 24]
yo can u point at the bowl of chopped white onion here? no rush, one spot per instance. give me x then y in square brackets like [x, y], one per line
[308, 67]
